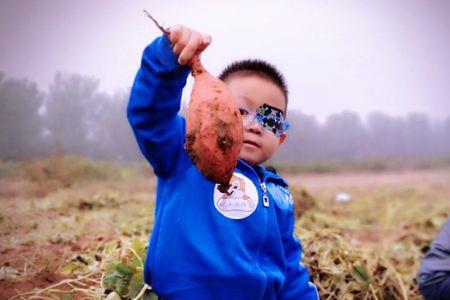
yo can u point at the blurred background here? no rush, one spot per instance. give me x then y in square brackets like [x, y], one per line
[367, 81]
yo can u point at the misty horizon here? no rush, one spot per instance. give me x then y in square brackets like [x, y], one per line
[186, 95]
[78, 118]
[389, 56]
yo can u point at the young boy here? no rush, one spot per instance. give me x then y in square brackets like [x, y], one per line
[206, 244]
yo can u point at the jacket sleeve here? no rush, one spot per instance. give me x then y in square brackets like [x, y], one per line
[153, 108]
[434, 273]
[297, 284]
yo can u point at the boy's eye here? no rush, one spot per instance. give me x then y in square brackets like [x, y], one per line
[243, 112]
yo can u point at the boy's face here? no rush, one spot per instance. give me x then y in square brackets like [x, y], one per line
[252, 92]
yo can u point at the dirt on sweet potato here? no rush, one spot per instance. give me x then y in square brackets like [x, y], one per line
[214, 131]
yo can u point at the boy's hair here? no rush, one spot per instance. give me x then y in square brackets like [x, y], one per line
[260, 68]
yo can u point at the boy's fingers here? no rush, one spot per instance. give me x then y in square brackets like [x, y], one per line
[191, 48]
[175, 33]
[182, 42]
[187, 42]
[206, 40]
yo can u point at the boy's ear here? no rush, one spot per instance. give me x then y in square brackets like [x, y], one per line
[282, 138]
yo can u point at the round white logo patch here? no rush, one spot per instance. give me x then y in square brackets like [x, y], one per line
[241, 199]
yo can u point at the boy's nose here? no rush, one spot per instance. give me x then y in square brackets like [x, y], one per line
[253, 126]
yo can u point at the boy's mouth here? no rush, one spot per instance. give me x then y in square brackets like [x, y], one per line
[252, 143]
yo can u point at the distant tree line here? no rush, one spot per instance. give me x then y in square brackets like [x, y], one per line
[345, 136]
[75, 117]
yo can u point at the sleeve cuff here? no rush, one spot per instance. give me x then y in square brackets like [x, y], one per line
[166, 57]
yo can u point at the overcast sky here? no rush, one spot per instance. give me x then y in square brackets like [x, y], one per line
[385, 55]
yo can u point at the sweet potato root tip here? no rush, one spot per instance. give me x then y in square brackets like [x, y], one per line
[223, 187]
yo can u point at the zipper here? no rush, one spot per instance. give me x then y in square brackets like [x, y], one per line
[264, 189]
[266, 213]
[263, 186]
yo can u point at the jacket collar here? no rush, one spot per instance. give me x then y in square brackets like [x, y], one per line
[263, 174]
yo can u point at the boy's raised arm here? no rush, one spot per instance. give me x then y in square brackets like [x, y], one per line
[154, 104]
[155, 99]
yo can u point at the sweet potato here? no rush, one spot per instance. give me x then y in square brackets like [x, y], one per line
[214, 131]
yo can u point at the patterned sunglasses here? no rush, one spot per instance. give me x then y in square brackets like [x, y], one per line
[270, 118]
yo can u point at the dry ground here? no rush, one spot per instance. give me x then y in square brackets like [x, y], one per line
[55, 242]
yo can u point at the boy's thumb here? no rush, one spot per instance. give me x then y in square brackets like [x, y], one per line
[206, 41]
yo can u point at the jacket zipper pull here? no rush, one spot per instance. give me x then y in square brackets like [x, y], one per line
[265, 197]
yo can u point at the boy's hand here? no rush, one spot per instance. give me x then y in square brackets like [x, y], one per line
[187, 42]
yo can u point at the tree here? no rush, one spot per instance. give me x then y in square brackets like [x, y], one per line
[112, 137]
[303, 142]
[72, 107]
[344, 136]
[21, 128]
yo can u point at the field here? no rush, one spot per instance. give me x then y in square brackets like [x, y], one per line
[76, 229]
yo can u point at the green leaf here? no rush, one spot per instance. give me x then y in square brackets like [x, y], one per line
[122, 286]
[360, 274]
[125, 269]
[117, 277]
[111, 267]
[68, 269]
[136, 283]
[109, 281]
[138, 246]
[67, 297]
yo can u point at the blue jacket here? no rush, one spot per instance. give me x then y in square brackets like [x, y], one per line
[434, 273]
[205, 244]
